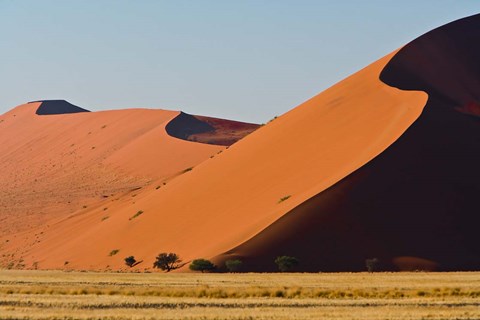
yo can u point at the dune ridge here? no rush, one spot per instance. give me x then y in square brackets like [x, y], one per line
[208, 130]
[50, 107]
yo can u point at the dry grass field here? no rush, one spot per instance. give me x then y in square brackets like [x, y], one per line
[79, 295]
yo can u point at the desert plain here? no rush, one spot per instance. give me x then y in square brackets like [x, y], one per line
[88, 295]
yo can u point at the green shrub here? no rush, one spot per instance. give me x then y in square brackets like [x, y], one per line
[167, 261]
[114, 252]
[234, 265]
[201, 265]
[130, 261]
[286, 263]
[373, 265]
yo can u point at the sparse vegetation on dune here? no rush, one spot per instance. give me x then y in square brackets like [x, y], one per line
[139, 212]
[113, 252]
[130, 261]
[78, 295]
[284, 198]
[187, 170]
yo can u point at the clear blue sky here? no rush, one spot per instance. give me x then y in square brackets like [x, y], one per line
[246, 60]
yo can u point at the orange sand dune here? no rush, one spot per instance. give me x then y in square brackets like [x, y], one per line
[230, 198]
[383, 164]
[56, 164]
[415, 206]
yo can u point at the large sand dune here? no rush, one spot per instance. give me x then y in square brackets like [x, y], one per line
[58, 159]
[415, 205]
[383, 164]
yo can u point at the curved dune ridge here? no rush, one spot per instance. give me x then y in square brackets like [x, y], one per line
[383, 164]
[208, 130]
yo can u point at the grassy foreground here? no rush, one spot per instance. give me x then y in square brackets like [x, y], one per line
[79, 295]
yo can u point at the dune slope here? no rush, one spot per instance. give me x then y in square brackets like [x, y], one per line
[57, 159]
[232, 197]
[415, 205]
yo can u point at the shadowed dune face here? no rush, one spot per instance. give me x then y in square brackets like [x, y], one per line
[184, 125]
[444, 142]
[415, 206]
[49, 107]
[444, 63]
[208, 130]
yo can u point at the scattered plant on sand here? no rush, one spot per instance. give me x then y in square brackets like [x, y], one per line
[188, 169]
[286, 263]
[130, 261]
[272, 119]
[284, 198]
[167, 261]
[113, 252]
[233, 265]
[201, 265]
[139, 212]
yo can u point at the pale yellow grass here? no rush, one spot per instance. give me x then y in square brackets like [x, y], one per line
[69, 295]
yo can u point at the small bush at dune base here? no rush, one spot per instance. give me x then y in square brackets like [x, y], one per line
[167, 261]
[201, 265]
[130, 261]
[233, 265]
[286, 263]
[373, 265]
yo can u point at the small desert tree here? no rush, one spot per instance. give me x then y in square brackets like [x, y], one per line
[286, 263]
[130, 261]
[372, 265]
[201, 265]
[234, 265]
[167, 261]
